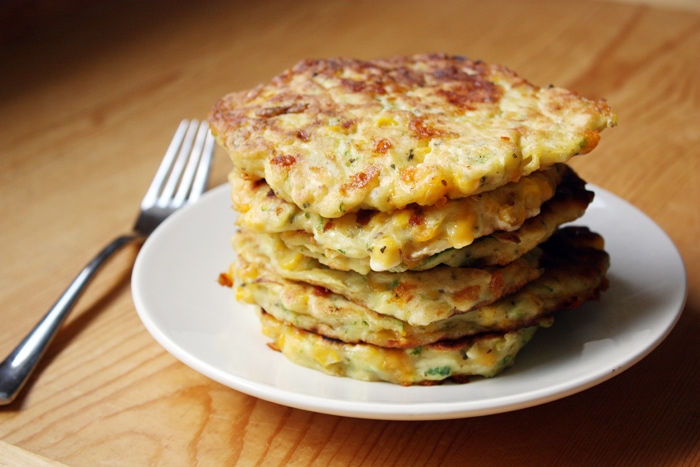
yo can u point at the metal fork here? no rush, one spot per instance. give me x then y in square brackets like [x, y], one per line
[181, 178]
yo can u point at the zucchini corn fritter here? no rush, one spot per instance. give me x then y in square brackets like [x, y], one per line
[400, 219]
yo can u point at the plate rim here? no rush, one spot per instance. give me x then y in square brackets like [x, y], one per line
[425, 410]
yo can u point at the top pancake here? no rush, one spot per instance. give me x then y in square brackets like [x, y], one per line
[339, 135]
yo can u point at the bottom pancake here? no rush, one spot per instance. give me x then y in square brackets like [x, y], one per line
[484, 355]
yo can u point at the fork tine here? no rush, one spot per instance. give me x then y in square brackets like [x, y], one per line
[192, 166]
[176, 171]
[203, 168]
[152, 194]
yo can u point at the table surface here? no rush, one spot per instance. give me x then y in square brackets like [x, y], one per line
[90, 93]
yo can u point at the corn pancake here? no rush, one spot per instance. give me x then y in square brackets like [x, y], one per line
[575, 266]
[482, 355]
[406, 235]
[341, 135]
[417, 297]
[499, 248]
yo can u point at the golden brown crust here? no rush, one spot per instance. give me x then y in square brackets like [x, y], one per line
[339, 135]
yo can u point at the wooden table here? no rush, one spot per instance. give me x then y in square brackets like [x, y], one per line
[90, 94]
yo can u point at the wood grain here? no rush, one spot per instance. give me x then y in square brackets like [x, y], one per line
[88, 103]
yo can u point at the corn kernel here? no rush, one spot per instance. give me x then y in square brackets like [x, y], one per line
[385, 255]
[386, 121]
[461, 232]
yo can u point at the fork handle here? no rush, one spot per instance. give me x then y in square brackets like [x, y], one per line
[20, 364]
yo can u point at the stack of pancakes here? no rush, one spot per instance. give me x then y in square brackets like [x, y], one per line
[401, 219]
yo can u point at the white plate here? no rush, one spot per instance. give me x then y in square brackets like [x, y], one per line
[179, 301]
